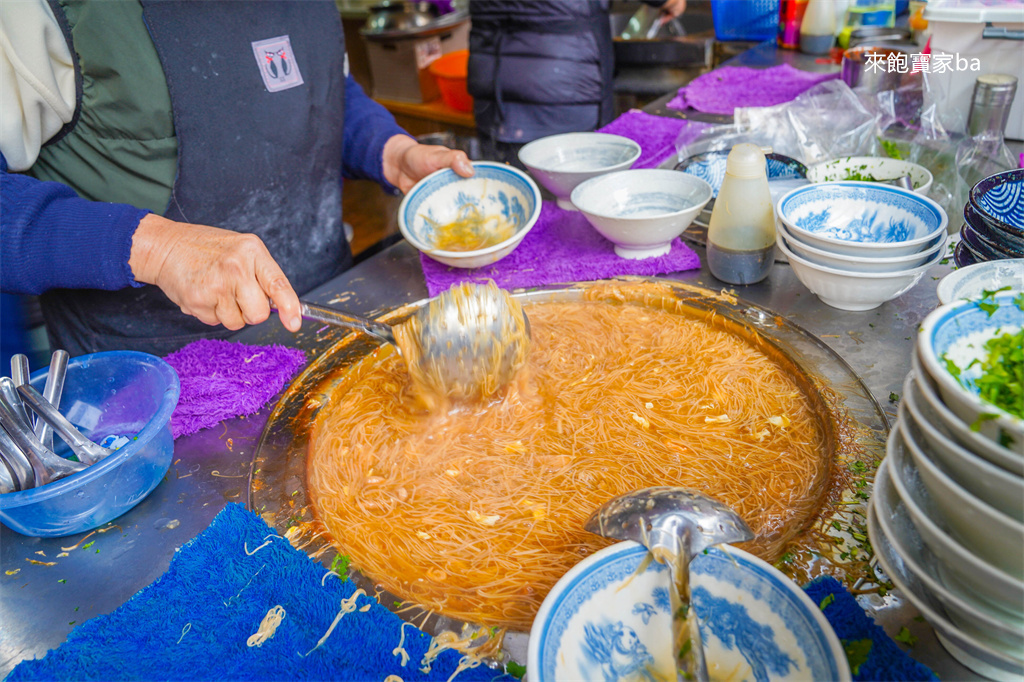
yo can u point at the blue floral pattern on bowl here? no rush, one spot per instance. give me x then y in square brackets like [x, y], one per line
[861, 212]
[1000, 201]
[756, 624]
[710, 167]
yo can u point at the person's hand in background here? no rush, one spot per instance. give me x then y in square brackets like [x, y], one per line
[215, 275]
[406, 161]
[672, 9]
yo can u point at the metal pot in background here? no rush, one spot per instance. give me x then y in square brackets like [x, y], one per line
[859, 69]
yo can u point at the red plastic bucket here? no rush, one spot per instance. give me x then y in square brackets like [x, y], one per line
[450, 73]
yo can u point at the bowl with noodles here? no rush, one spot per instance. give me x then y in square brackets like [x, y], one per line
[470, 222]
[609, 618]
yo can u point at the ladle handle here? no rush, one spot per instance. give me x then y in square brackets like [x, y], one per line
[15, 462]
[87, 451]
[336, 317]
[51, 393]
[9, 391]
[46, 465]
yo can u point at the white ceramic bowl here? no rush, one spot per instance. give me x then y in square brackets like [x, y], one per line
[995, 537]
[975, 442]
[859, 263]
[607, 616]
[561, 162]
[443, 197]
[862, 218]
[985, 480]
[956, 333]
[641, 211]
[992, 584]
[981, 654]
[854, 290]
[975, 614]
[972, 281]
[871, 169]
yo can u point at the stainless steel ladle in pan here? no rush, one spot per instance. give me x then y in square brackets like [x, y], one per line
[676, 525]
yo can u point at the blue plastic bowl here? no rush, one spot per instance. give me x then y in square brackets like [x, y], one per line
[117, 393]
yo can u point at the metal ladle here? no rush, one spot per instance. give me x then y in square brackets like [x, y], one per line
[467, 342]
[675, 525]
[46, 465]
[87, 451]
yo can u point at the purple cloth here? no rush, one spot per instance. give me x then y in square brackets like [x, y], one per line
[223, 379]
[724, 89]
[562, 247]
[656, 135]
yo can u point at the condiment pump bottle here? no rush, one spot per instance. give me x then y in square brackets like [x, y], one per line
[741, 234]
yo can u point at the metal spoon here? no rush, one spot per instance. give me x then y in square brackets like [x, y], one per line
[9, 391]
[466, 343]
[676, 525]
[87, 451]
[15, 465]
[20, 370]
[51, 392]
[45, 464]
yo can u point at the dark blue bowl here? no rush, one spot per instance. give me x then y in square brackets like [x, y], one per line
[979, 247]
[999, 201]
[1003, 242]
[962, 257]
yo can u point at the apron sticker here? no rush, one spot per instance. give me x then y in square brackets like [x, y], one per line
[277, 64]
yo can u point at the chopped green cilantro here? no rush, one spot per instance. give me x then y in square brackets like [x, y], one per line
[826, 601]
[340, 564]
[894, 397]
[905, 637]
[515, 670]
[857, 652]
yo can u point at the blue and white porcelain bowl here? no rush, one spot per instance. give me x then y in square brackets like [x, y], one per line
[441, 198]
[972, 281]
[641, 211]
[859, 264]
[561, 162]
[954, 335]
[999, 199]
[862, 219]
[871, 169]
[710, 167]
[1003, 239]
[608, 619]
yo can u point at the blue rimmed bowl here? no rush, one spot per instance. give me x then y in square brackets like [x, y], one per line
[999, 201]
[561, 162]
[710, 167]
[862, 219]
[972, 281]
[608, 618]
[114, 393]
[954, 335]
[1004, 240]
[496, 191]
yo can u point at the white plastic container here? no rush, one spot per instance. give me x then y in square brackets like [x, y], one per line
[958, 29]
[741, 232]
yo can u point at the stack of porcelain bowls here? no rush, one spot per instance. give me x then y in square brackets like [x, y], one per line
[859, 244]
[947, 513]
[993, 226]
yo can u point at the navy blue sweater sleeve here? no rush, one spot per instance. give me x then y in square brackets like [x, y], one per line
[368, 126]
[54, 239]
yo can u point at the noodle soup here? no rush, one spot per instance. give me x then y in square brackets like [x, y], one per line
[476, 513]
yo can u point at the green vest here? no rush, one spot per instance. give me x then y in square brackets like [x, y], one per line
[123, 147]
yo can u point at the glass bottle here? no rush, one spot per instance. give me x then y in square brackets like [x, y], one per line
[984, 152]
[741, 233]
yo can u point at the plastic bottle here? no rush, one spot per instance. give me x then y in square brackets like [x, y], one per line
[818, 28]
[741, 233]
[791, 13]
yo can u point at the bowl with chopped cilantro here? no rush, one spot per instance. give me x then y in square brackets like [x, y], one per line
[871, 169]
[974, 350]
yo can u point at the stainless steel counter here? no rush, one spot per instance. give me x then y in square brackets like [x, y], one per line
[40, 604]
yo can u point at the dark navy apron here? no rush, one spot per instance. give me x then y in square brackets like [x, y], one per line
[256, 154]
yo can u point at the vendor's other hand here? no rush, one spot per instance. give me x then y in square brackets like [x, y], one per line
[218, 276]
[672, 9]
[406, 161]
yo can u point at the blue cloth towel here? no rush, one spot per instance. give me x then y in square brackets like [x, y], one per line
[193, 623]
[884, 661]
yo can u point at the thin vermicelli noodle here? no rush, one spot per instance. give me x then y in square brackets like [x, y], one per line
[476, 513]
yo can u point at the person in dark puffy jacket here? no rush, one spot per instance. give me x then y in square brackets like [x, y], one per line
[541, 67]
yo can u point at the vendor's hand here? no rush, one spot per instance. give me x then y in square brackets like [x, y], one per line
[672, 9]
[218, 276]
[406, 161]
